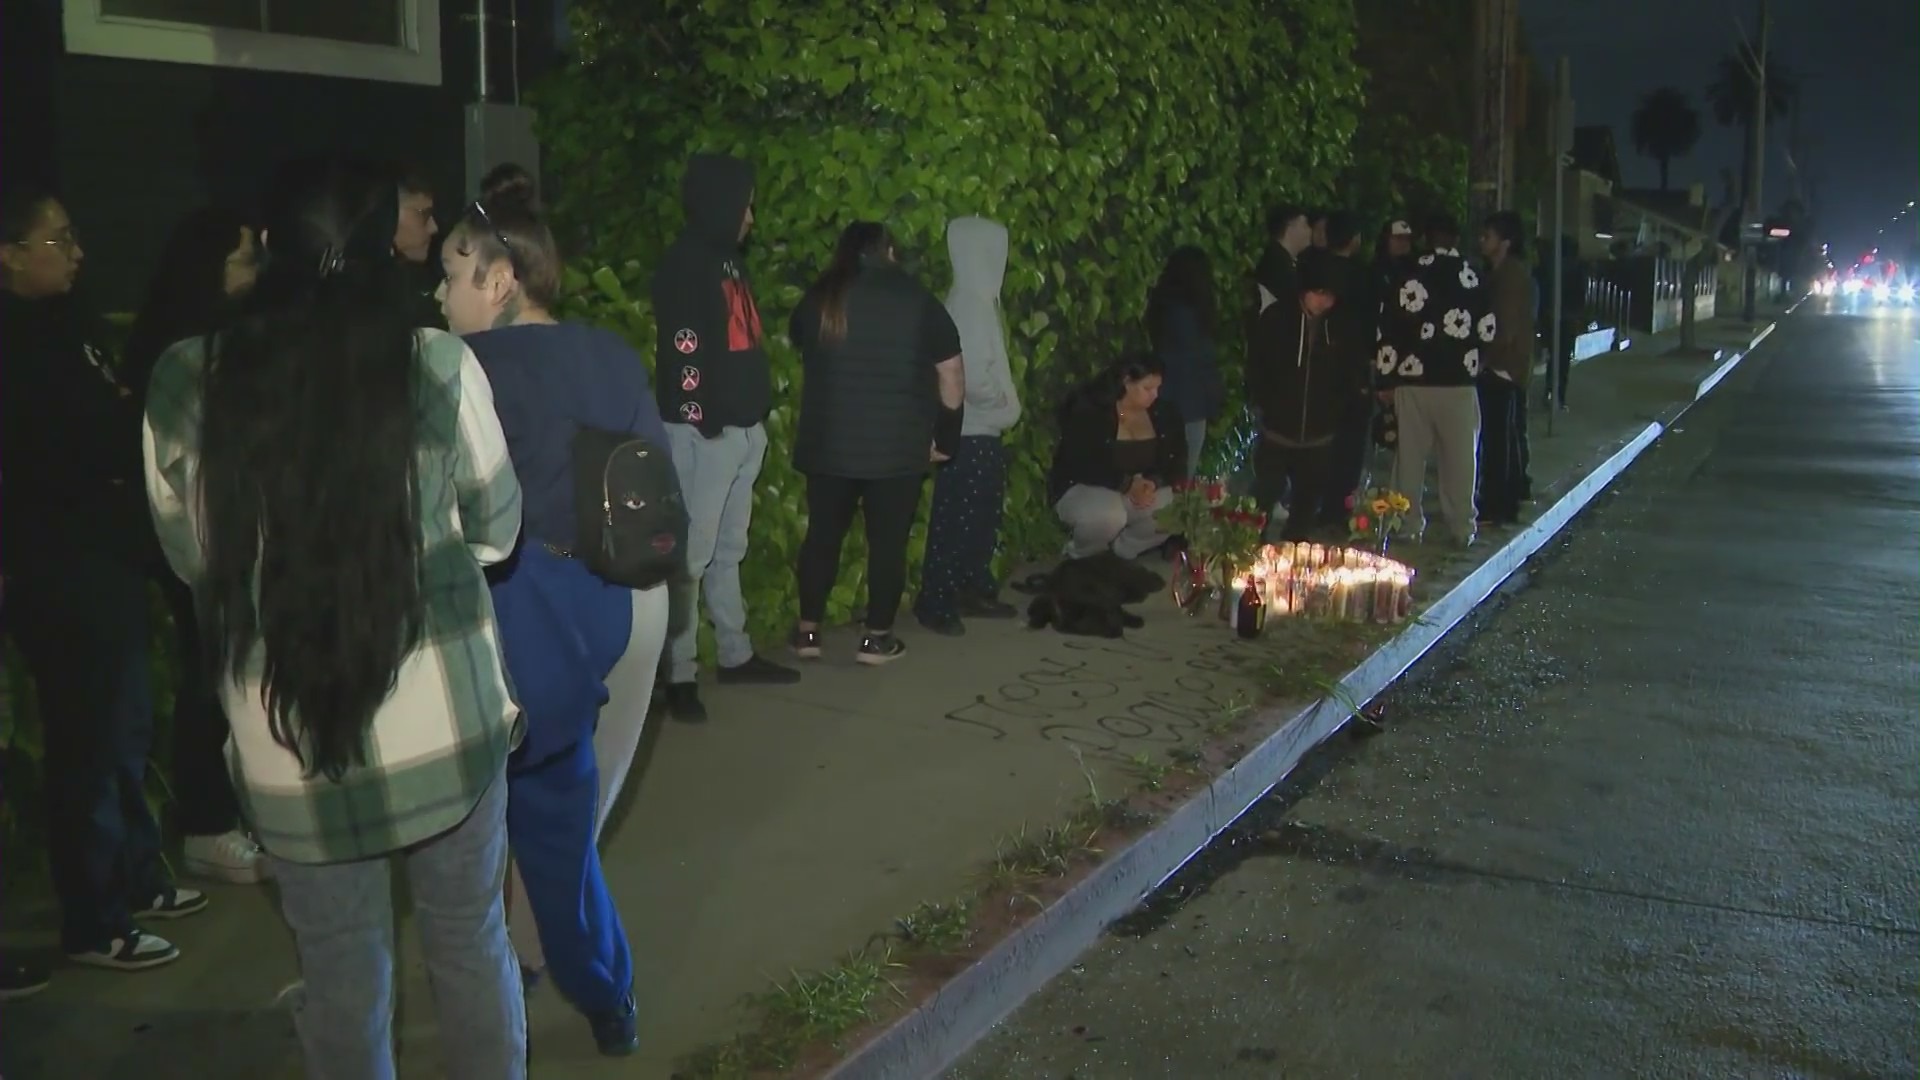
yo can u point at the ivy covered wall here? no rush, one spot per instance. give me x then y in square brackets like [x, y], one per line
[1102, 135]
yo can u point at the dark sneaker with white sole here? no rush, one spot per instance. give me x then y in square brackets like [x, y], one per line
[759, 671]
[19, 979]
[135, 950]
[805, 643]
[175, 903]
[877, 649]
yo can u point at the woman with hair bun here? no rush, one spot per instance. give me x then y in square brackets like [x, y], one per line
[582, 651]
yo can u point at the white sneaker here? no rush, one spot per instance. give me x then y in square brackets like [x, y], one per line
[230, 856]
[137, 951]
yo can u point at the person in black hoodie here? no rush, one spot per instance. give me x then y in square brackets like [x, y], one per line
[1297, 383]
[1435, 325]
[715, 389]
[76, 538]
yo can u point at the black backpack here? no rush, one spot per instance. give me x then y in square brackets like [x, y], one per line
[631, 518]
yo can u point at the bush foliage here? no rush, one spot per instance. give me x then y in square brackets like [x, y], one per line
[1101, 135]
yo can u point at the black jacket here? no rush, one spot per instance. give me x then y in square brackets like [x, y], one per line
[1089, 426]
[1299, 382]
[1435, 324]
[69, 441]
[869, 402]
[710, 369]
[1353, 325]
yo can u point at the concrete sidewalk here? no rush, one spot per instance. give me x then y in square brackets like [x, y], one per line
[802, 821]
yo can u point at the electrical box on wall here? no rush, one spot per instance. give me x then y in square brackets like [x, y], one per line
[497, 134]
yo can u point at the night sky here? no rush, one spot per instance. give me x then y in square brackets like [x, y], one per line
[1858, 63]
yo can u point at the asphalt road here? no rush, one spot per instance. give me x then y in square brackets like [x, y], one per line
[1658, 815]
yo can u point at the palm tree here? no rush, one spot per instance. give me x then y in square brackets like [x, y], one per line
[1665, 126]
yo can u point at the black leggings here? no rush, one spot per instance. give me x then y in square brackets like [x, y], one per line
[888, 506]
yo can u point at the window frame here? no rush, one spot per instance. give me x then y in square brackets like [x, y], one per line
[416, 61]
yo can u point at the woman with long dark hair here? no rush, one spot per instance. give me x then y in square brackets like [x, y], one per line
[208, 264]
[1181, 321]
[564, 630]
[330, 481]
[1122, 448]
[882, 402]
[76, 545]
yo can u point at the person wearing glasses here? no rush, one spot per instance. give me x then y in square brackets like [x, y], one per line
[564, 630]
[75, 539]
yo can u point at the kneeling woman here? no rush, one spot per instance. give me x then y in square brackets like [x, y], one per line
[881, 403]
[1122, 448]
[562, 629]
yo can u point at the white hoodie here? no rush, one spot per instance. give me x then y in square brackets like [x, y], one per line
[978, 248]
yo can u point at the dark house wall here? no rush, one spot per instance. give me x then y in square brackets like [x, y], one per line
[132, 145]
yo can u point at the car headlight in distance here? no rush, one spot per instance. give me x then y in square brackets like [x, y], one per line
[1882, 293]
[1906, 294]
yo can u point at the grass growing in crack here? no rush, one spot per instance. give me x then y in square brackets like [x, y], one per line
[936, 927]
[800, 1011]
[1151, 774]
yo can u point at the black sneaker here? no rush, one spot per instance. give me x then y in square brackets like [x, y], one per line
[806, 643]
[135, 950]
[19, 979]
[758, 671]
[987, 607]
[880, 648]
[616, 1032]
[683, 703]
[175, 903]
[944, 625]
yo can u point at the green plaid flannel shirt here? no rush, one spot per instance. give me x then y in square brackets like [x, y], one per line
[444, 735]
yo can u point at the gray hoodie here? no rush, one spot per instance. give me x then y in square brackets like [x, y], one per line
[978, 248]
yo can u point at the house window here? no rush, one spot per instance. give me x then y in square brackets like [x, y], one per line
[385, 40]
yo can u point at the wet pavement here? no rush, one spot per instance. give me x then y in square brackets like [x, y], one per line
[1657, 815]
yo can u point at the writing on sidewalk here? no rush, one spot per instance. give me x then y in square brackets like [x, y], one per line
[1116, 697]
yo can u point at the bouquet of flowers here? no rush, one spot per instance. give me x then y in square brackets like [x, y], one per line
[1216, 525]
[1376, 514]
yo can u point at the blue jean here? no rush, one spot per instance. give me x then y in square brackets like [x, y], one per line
[963, 527]
[341, 915]
[81, 622]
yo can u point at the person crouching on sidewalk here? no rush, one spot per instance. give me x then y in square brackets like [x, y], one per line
[956, 576]
[1122, 449]
[880, 403]
[1302, 399]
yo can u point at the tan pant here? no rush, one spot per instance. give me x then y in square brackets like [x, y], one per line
[1442, 422]
[622, 718]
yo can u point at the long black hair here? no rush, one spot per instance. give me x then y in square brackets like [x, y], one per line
[857, 242]
[307, 475]
[188, 295]
[1186, 280]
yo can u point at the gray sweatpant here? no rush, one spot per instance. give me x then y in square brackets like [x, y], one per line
[1444, 422]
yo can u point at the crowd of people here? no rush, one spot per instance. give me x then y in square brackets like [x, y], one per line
[368, 532]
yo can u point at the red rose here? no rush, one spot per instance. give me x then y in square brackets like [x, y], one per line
[1259, 521]
[1216, 491]
[1361, 523]
[1349, 502]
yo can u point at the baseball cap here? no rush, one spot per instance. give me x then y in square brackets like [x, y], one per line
[1400, 228]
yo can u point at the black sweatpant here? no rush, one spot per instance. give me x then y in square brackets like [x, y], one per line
[888, 506]
[1501, 472]
[1302, 470]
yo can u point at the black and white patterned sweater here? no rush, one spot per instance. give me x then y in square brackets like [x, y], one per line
[1435, 321]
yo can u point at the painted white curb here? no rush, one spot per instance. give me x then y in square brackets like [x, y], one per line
[932, 1037]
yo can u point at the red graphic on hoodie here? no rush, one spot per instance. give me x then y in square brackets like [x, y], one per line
[743, 318]
[689, 379]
